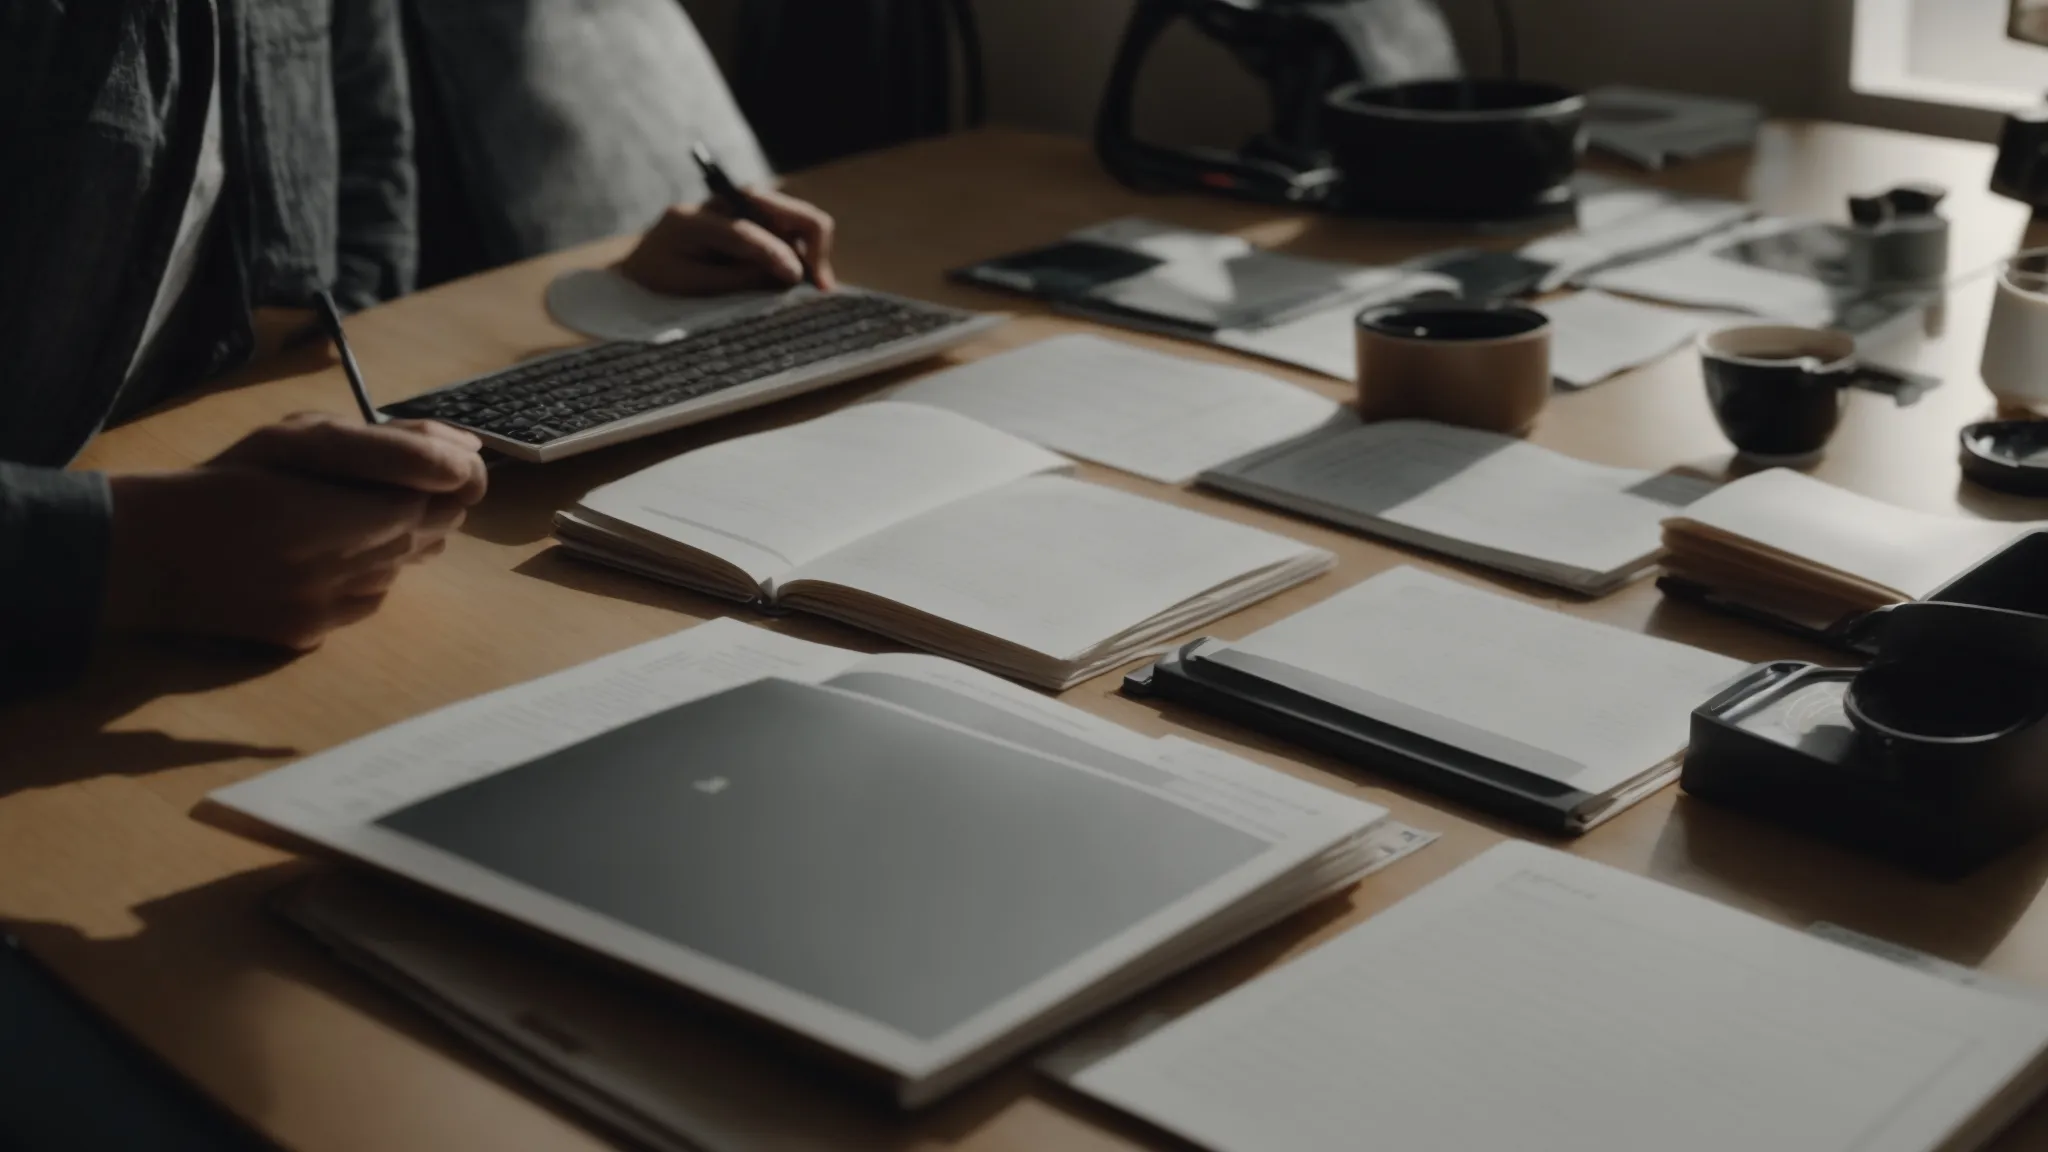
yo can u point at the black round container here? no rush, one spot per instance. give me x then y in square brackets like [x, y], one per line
[1455, 149]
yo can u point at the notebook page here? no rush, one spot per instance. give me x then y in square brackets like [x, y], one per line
[1163, 417]
[1054, 565]
[1539, 1002]
[1474, 488]
[1578, 702]
[771, 501]
[1907, 551]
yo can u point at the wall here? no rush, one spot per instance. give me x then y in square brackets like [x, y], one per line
[1048, 59]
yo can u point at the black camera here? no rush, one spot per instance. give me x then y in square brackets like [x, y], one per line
[1934, 755]
[2022, 170]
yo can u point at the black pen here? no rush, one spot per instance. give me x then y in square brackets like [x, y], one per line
[330, 319]
[743, 206]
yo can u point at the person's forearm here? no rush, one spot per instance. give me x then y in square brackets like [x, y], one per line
[55, 535]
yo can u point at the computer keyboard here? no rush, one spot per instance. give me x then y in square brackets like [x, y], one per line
[604, 393]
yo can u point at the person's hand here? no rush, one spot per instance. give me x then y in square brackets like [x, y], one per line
[297, 530]
[701, 250]
[419, 455]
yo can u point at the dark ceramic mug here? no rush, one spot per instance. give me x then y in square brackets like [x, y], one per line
[1777, 389]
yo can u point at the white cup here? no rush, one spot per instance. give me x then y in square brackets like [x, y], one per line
[2015, 364]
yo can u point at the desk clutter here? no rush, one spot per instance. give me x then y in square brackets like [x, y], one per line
[663, 884]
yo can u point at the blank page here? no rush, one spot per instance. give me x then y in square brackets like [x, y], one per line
[1594, 334]
[1468, 488]
[1909, 552]
[1571, 700]
[1052, 564]
[1535, 1001]
[1159, 416]
[770, 501]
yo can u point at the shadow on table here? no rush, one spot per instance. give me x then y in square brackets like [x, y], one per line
[218, 986]
[1802, 879]
[49, 741]
[561, 567]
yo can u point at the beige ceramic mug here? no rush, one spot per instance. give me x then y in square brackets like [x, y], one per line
[2015, 362]
[1480, 365]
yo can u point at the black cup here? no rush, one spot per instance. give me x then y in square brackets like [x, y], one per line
[1454, 149]
[1777, 389]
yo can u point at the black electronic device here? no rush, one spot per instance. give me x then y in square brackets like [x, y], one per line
[1300, 49]
[1934, 756]
[1484, 274]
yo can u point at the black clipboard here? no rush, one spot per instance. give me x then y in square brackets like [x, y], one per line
[1193, 675]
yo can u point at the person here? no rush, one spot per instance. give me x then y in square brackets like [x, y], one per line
[182, 176]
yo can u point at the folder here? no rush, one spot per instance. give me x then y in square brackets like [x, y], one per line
[1534, 715]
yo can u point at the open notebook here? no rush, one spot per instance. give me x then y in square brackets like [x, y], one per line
[917, 865]
[941, 532]
[1784, 545]
[1478, 496]
[1533, 1000]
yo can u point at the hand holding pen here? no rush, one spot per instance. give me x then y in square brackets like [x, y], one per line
[740, 239]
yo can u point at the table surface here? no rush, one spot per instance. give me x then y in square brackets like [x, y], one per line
[158, 919]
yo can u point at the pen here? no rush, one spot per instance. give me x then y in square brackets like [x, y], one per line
[743, 205]
[330, 319]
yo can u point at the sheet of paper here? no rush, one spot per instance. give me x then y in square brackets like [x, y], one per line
[1910, 552]
[1472, 489]
[771, 501]
[600, 303]
[1535, 1001]
[1696, 277]
[1585, 704]
[1054, 565]
[1326, 340]
[1595, 335]
[1618, 221]
[1159, 416]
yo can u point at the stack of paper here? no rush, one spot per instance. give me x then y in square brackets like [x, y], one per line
[912, 863]
[1164, 417]
[1807, 551]
[1533, 1000]
[1592, 710]
[1474, 495]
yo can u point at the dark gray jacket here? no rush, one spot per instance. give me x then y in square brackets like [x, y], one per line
[102, 106]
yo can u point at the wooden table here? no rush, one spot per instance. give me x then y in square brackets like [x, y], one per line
[157, 918]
